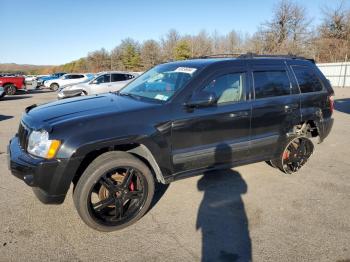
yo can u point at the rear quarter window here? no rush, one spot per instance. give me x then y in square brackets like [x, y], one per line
[307, 79]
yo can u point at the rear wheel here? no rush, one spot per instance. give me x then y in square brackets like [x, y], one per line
[10, 89]
[54, 87]
[294, 155]
[114, 191]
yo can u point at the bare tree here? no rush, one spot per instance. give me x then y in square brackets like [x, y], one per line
[168, 44]
[98, 60]
[150, 53]
[333, 42]
[288, 30]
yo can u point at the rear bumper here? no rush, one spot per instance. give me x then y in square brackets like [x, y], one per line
[327, 127]
[50, 179]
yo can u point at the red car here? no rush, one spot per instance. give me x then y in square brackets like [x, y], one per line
[12, 84]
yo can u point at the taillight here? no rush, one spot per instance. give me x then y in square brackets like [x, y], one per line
[331, 103]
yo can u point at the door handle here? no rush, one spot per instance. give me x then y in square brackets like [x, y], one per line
[239, 114]
[291, 107]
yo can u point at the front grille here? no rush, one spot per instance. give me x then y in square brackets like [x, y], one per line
[22, 134]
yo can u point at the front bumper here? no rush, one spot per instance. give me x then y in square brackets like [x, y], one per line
[69, 93]
[50, 179]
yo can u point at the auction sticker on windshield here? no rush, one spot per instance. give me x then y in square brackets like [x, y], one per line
[161, 97]
[188, 70]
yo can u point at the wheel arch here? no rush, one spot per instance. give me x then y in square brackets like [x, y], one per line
[309, 128]
[7, 84]
[141, 151]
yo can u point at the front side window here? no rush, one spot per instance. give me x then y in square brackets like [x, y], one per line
[161, 82]
[66, 77]
[103, 79]
[271, 83]
[228, 88]
[307, 80]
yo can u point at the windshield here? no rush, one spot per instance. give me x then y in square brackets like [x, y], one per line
[161, 82]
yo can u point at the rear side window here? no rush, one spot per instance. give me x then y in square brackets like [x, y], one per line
[271, 83]
[75, 76]
[119, 77]
[307, 79]
[228, 88]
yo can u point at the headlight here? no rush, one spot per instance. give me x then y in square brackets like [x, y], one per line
[40, 145]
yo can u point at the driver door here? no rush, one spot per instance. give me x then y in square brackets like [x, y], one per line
[101, 84]
[215, 135]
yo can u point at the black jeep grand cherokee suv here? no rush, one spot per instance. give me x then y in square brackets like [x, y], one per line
[176, 120]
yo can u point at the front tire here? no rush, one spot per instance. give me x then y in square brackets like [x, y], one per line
[10, 89]
[114, 192]
[54, 87]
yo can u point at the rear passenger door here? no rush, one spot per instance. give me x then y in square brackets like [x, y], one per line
[314, 96]
[275, 109]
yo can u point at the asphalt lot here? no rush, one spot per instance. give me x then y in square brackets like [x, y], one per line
[250, 212]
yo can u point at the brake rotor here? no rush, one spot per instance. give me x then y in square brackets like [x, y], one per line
[103, 193]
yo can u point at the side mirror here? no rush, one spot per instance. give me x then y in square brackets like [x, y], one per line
[202, 99]
[94, 82]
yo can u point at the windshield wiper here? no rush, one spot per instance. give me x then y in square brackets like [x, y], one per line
[129, 95]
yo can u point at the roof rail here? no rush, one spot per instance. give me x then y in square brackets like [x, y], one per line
[222, 55]
[250, 55]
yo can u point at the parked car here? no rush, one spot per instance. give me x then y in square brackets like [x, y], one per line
[103, 83]
[2, 92]
[176, 120]
[40, 80]
[65, 80]
[30, 82]
[12, 84]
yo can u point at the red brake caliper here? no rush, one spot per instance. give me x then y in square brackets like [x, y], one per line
[285, 155]
[132, 186]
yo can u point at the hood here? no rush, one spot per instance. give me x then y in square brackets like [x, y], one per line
[47, 115]
[45, 78]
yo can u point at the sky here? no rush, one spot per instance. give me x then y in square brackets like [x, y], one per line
[53, 32]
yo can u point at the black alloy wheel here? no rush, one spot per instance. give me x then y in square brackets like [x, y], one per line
[117, 196]
[114, 191]
[295, 154]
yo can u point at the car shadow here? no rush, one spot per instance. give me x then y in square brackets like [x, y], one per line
[342, 105]
[3, 117]
[40, 91]
[221, 216]
[15, 97]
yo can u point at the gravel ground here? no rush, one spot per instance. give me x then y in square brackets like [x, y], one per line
[247, 213]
